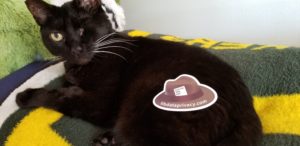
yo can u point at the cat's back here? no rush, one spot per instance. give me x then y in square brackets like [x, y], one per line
[158, 61]
[151, 48]
[167, 60]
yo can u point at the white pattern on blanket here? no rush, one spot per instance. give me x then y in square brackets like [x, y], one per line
[38, 80]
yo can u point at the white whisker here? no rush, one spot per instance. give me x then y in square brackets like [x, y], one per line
[105, 47]
[108, 52]
[105, 37]
[114, 41]
[119, 39]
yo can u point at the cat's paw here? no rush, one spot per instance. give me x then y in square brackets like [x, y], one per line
[30, 98]
[72, 91]
[106, 139]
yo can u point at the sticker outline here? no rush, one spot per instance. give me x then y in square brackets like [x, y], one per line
[189, 109]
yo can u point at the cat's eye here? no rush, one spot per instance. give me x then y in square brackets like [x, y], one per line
[56, 36]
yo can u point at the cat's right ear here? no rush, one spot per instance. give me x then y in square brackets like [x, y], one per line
[88, 5]
[39, 9]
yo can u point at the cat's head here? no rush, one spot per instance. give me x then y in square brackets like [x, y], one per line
[70, 31]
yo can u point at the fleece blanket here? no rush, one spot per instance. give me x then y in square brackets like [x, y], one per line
[272, 74]
[19, 37]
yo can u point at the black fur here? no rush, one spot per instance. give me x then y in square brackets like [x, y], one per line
[111, 92]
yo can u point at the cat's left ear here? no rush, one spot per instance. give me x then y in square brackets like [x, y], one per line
[39, 9]
[88, 5]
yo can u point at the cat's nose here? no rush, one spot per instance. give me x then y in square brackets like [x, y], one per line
[79, 49]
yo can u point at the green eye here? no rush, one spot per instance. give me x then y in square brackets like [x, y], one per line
[57, 37]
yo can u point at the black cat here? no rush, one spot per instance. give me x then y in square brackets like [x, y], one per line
[112, 80]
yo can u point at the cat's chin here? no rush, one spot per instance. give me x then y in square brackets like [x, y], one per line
[83, 61]
[80, 61]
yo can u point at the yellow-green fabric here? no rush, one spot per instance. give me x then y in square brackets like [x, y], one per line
[20, 42]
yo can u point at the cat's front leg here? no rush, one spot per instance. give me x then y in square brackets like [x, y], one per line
[71, 101]
[47, 98]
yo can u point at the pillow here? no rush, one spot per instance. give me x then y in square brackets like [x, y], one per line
[270, 72]
[20, 42]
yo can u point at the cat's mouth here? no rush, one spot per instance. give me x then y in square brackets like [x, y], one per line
[81, 60]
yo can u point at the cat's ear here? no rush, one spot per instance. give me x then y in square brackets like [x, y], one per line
[39, 9]
[88, 5]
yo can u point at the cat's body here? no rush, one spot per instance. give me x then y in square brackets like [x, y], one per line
[116, 91]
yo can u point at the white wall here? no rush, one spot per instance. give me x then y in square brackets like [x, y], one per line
[247, 21]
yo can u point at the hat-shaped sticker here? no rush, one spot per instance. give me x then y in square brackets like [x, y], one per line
[185, 93]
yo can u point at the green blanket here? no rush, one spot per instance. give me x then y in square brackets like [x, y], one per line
[20, 42]
[271, 72]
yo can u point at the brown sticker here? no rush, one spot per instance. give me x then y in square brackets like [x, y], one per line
[185, 93]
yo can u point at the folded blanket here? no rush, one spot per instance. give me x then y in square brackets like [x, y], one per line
[272, 74]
